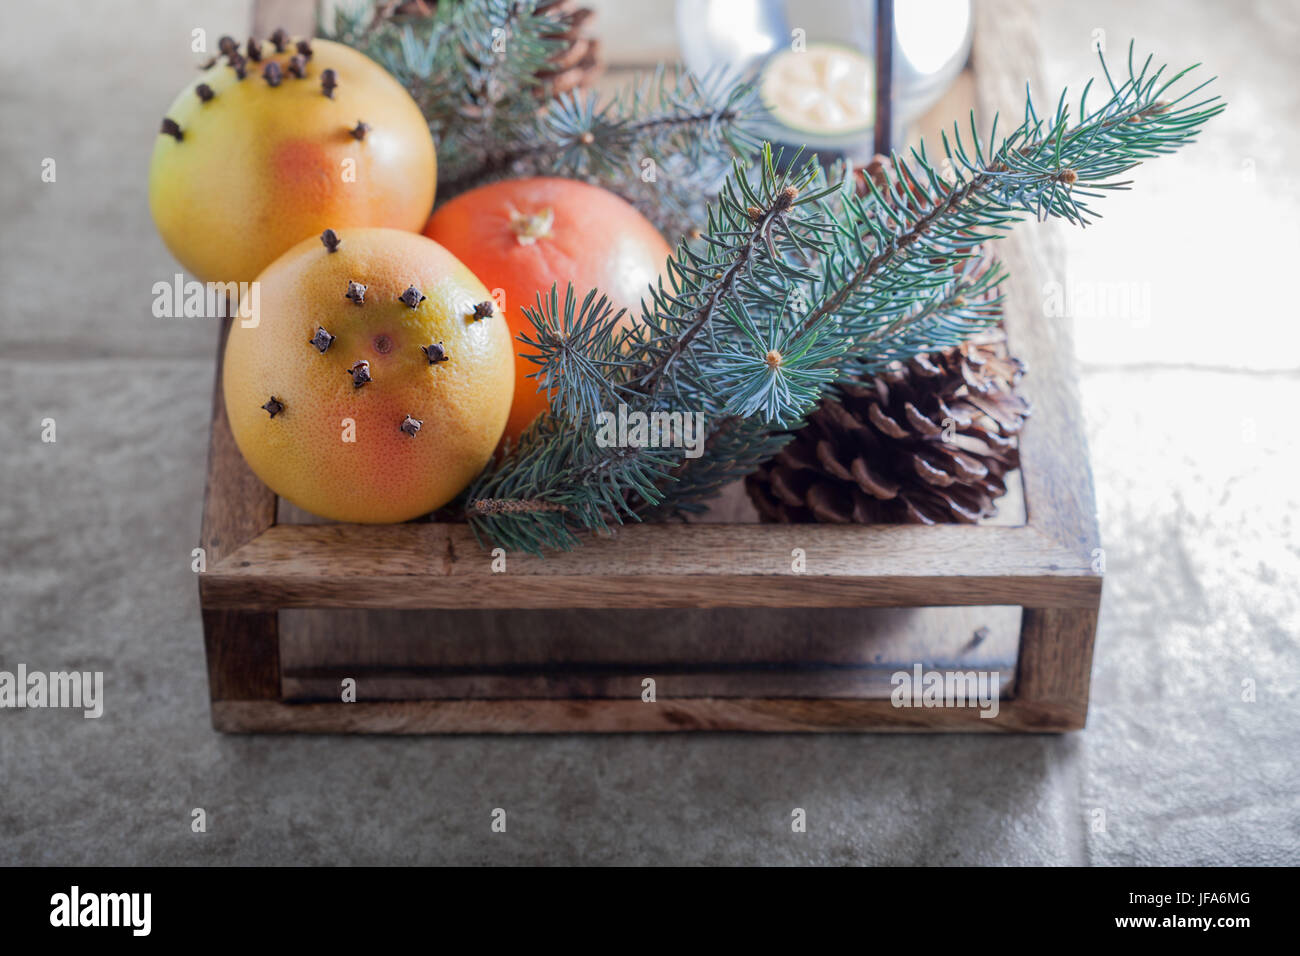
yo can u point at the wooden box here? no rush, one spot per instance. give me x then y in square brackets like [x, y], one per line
[712, 612]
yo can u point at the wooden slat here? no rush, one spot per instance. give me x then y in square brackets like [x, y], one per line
[1057, 475]
[426, 566]
[732, 652]
[237, 507]
[784, 715]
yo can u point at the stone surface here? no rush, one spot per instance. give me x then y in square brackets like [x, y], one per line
[1190, 423]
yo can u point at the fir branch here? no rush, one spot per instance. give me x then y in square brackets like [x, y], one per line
[885, 276]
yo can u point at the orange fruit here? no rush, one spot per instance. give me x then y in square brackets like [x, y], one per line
[523, 235]
[373, 412]
[252, 168]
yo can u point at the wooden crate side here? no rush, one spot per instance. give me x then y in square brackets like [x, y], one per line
[672, 565]
[242, 647]
[237, 507]
[1059, 496]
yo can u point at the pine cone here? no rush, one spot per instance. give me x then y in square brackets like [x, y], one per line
[575, 64]
[929, 441]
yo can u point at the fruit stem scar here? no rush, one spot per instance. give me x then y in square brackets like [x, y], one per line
[356, 292]
[360, 373]
[274, 406]
[529, 228]
[331, 240]
[172, 128]
[412, 297]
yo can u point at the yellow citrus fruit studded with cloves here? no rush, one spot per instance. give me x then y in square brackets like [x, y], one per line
[373, 380]
[277, 141]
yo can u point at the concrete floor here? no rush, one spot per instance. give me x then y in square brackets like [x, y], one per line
[1189, 401]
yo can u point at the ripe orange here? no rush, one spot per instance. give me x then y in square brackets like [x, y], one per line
[376, 412]
[523, 235]
[258, 167]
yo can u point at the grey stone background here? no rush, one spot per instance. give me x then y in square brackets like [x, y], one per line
[1192, 428]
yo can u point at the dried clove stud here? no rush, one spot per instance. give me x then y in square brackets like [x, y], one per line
[331, 240]
[254, 50]
[280, 39]
[172, 128]
[271, 73]
[360, 373]
[356, 292]
[412, 297]
[227, 45]
[328, 81]
[304, 47]
[435, 353]
[482, 310]
[204, 92]
[240, 66]
[298, 66]
[410, 425]
[274, 406]
[322, 340]
[360, 130]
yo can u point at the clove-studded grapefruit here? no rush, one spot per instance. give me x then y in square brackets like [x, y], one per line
[524, 235]
[276, 141]
[377, 379]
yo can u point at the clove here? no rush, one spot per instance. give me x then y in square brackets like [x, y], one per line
[356, 292]
[412, 297]
[172, 128]
[360, 373]
[240, 67]
[435, 353]
[274, 406]
[298, 66]
[322, 340]
[254, 50]
[205, 92]
[360, 130]
[280, 39]
[328, 81]
[482, 310]
[271, 73]
[304, 47]
[227, 45]
[410, 425]
[331, 240]
[209, 65]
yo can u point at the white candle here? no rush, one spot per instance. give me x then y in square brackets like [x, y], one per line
[825, 90]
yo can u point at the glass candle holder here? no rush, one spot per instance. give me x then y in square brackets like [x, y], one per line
[814, 62]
